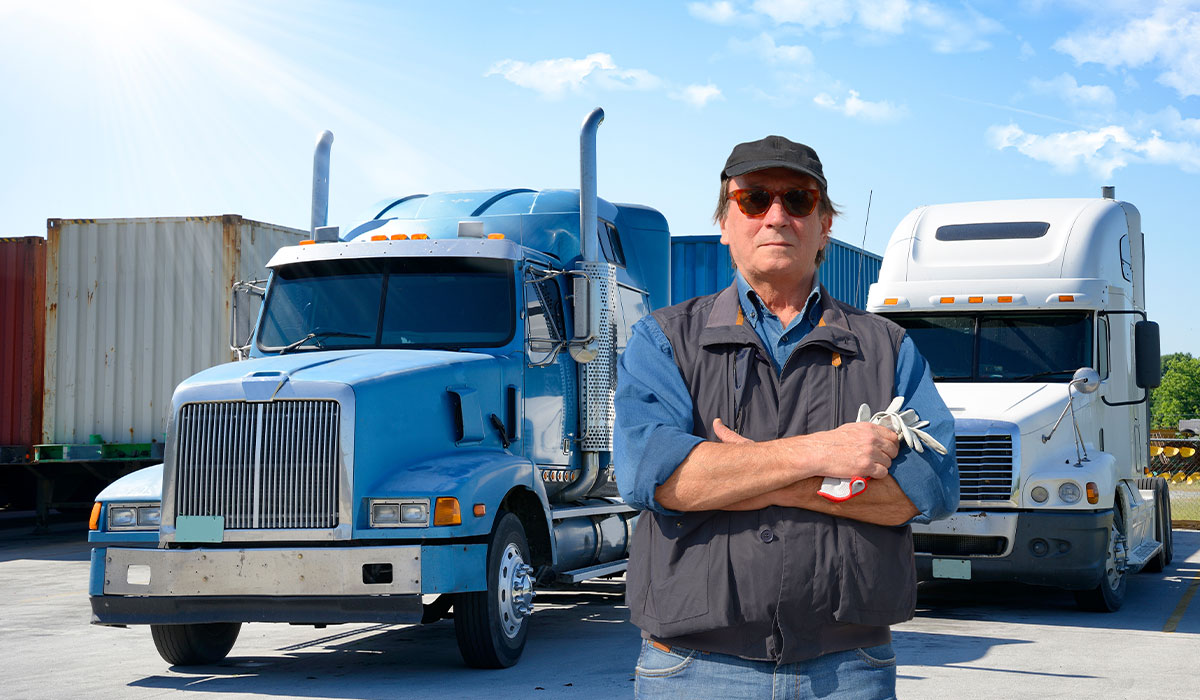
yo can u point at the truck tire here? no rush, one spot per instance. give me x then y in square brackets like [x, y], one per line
[1110, 594]
[1162, 523]
[492, 626]
[192, 645]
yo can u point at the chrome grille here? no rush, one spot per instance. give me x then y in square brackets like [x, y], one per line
[264, 466]
[985, 467]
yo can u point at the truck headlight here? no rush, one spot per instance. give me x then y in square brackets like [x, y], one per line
[123, 516]
[134, 516]
[399, 513]
[1069, 492]
[1039, 494]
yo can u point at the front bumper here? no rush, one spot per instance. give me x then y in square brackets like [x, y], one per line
[300, 585]
[1062, 549]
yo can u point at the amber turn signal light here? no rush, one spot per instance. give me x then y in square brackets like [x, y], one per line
[94, 520]
[447, 512]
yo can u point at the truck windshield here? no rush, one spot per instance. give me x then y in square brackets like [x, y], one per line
[447, 303]
[991, 347]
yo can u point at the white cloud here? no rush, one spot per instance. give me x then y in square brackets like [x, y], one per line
[1069, 89]
[807, 13]
[698, 95]
[888, 16]
[766, 48]
[1168, 38]
[1027, 51]
[950, 30]
[856, 107]
[955, 32]
[1102, 151]
[715, 12]
[554, 76]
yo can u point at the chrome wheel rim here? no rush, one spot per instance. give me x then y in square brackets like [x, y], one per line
[1114, 566]
[514, 591]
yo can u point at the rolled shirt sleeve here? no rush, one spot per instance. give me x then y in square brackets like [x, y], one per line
[653, 429]
[930, 480]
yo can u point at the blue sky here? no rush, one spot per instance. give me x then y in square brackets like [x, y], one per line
[156, 108]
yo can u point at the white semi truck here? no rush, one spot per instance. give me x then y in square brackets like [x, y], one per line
[1032, 315]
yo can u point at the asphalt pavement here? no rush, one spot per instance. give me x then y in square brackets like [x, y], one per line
[967, 641]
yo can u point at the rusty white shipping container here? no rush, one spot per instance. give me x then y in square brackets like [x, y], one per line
[133, 307]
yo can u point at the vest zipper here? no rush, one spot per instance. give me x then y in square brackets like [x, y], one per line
[837, 390]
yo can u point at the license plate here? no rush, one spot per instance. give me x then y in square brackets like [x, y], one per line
[199, 528]
[952, 568]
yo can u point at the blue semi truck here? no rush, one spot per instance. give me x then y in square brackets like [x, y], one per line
[422, 428]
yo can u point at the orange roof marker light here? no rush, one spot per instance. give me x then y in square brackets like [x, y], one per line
[891, 301]
[379, 237]
[1066, 297]
[947, 300]
[308, 242]
[975, 300]
[399, 236]
[495, 236]
[420, 236]
[1004, 299]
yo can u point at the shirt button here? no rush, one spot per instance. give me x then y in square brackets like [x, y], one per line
[766, 535]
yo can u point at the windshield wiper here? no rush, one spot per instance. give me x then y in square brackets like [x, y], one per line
[317, 335]
[1036, 375]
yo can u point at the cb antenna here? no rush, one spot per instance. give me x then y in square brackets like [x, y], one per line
[863, 247]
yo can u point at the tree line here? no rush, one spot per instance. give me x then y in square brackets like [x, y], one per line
[1178, 397]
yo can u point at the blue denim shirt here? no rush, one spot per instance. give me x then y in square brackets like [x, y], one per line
[653, 431]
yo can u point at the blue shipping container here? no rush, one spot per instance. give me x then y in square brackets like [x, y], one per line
[701, 265]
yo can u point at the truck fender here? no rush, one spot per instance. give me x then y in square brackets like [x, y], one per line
[142, 485]
[483, 476]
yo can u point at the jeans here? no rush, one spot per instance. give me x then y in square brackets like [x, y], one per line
[685, 674]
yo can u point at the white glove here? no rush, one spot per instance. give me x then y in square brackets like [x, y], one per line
[906, 424]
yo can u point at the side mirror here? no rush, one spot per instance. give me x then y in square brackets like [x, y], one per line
[1148, 363]
[1086, 380]
[585, 344]
[243, 310]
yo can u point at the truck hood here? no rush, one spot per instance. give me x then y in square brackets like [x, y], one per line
[1031, 406]
[350, 367]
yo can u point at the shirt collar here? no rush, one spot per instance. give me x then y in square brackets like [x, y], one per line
[753, 308]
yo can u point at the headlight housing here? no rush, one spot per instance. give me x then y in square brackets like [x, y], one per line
[134, 516]
[1069, 492]
[395, 512]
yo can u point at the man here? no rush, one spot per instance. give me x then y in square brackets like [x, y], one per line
[731, 408]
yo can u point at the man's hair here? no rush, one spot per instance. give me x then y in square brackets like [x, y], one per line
[826, 207]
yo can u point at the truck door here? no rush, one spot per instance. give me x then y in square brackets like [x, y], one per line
[549, 372]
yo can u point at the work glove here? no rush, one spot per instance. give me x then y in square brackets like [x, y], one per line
[907, 424]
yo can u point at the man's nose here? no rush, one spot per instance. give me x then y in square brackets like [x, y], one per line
[776, 215]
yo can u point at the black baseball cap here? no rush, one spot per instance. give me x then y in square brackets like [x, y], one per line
[773, 152]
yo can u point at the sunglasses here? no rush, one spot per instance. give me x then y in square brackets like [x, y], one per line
[755, 201]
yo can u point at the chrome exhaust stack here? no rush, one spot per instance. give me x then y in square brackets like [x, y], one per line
[594, 286]
[587, 185]
[320, 181]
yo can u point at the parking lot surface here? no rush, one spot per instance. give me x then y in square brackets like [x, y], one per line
[967, 641]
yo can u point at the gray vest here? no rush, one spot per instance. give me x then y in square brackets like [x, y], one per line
[783, 584]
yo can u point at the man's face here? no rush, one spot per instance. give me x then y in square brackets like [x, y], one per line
[776, 246]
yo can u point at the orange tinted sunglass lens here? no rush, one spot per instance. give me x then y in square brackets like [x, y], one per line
[754, 202]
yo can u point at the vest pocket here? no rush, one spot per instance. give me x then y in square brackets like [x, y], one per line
[679, 565]
[879, 579]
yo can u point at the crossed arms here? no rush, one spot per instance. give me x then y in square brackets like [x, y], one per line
[740, 474]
